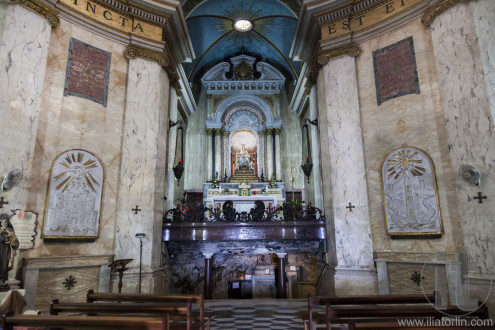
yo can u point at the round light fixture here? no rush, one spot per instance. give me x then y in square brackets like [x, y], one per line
[243, 25]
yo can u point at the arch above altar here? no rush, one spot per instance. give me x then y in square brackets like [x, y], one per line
[244, 98]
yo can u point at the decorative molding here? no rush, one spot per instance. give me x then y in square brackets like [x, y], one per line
[351, 49]
[133, 51]
[439, 8]
[352, 17]
[224, 78]
[36, 6]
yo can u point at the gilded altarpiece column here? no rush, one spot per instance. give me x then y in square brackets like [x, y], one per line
[344, 184]
[24, 44]
[142, 175]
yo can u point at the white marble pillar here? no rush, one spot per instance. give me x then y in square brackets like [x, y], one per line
[172, 138]
[209, 154]
[218, 153]
[344, 182]
[315, 149]
[278, 159]
[142, 174]
[23, 56]
[464, 49]
[269, 154]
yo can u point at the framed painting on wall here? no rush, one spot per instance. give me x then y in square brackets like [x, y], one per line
[410, 195]
[74, 195]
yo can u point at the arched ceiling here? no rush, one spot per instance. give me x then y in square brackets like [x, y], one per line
[210, 25]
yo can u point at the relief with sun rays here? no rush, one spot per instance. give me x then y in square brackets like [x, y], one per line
[74, 196]
[410, 195]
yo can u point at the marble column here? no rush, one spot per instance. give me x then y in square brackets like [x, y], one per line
[208, 289]
[278, 159]
[281, 283]
[343, 162]
[218, 152]
[24, 43]
[269, 154]
[209, 154]
[172, 138]
[464, 50]
[142, 175]
[315, 149]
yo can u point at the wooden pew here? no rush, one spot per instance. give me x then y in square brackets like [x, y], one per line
[165, 310]
[388, 314]
[84, 322]
[203, 317]
[353, 310]
[311, 317]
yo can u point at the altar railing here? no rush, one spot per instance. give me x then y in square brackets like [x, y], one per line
[198, 213]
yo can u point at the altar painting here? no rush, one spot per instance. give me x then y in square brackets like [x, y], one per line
[244, 146]
[410, 195]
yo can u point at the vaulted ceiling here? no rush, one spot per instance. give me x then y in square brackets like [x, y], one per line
[211, 27]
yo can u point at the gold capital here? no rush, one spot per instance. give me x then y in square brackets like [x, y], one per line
[348, 50]
[439, 8]
[36, 6]
[133, 51]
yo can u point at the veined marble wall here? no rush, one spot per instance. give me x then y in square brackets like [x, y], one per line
[24, 43]
[143, 170]
[414, 120]
[463, 47]
[73, 122]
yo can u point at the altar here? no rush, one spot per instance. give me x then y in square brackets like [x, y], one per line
[244, 195]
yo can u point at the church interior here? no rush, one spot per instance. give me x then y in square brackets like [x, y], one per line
[247, 151]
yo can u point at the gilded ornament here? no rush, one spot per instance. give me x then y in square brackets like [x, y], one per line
[133, 51]
[50, 14]
[439, 8]
[348, 50]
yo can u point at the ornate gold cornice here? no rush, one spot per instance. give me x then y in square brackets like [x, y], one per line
[133, 51]
[36, 6]
[351, 49]
[439, 8]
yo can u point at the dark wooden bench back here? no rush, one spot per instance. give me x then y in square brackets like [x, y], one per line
[328, 301]
[151, 298]
[84, 322]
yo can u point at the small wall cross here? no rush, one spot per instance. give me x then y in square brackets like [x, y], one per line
[350, 207]
[136, 210]
[2, 202]
[480, 197]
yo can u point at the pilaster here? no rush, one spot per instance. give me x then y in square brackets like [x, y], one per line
[343, 160]
[143, 168]
[23, 56]
[463, 46]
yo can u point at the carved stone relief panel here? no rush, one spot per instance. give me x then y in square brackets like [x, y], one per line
[74, 196]
[410, 195]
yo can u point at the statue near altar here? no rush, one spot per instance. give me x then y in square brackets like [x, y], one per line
[243, 159]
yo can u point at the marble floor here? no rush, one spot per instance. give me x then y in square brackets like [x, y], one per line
[256, 314]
